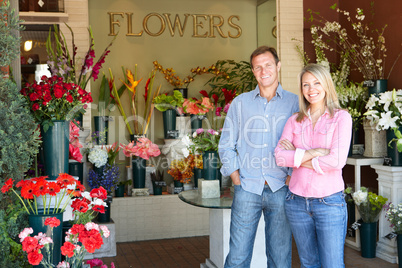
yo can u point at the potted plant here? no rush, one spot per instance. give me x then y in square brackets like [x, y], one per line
[157, 181]
[121, 187]
[206, 142]
[168, 104]
[19, 142]
[384, 112]
[369, 206]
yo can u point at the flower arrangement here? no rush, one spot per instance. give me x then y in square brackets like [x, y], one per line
[74, 145]
[204, 140]
[88, 204]
[141, 124]
[353, 98]
[143, 148]
[53, 99]
[197, 107]
[80, 239]
[108, 178]
[221, 100]
[63, 63]
[394, 215]
[98, 157]
[198, 161]
[385, 110]
[368, 54]
[173, 79]
[165, 102]
[182, 170]
[51, 192]
[368, 203]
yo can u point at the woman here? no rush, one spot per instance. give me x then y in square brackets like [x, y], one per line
[315, 142]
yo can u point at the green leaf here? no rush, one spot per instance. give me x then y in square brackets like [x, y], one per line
[333, 6]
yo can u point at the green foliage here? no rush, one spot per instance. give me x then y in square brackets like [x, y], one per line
[13, 219]
[19, 142]
[9, 40]
[104, 100]
[165, 102]
[238, 76]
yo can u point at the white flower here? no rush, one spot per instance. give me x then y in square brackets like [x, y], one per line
[45, 240]
[105, 231]
[63, 264]
[98, 157]
[386, 121]
[359, 197]
[86, 195]
[91, 225]
[25, 233]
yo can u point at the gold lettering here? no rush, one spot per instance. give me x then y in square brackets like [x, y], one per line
[112, 22]
[177, 23]
[130, 25]
[145, 24]
[197, 24]
[212, 25]
[230, 22]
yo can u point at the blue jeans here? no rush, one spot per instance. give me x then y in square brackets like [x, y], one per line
[319, 229]
[245, 215]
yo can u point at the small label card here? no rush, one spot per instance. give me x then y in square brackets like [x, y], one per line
[172, 134]
[178, 190]
[391, 235]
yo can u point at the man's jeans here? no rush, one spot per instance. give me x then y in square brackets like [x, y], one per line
[246, 213]
[319, 229]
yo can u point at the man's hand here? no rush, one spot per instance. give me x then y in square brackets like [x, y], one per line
[235, 176]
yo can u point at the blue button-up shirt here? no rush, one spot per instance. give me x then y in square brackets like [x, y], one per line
[252, 129]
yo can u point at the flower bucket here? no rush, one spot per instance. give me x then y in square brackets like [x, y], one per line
[169, 124]
[37, 222]
[101, 124]
[196, 122]
[138, 168]
[105, 217]
[76, 169]
[210, 162]
[399, 245]
[396, 157]
[119, 191]
[376, 86]
[198, 174]
[368, 239]
[56, 148]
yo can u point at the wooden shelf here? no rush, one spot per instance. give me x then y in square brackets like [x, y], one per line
[43, 17]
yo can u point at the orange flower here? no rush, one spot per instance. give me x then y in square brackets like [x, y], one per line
[65, 179]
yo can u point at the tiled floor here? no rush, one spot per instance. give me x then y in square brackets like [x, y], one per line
[191, 252]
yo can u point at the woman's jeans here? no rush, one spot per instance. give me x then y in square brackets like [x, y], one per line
[319, 229]
[245, 216]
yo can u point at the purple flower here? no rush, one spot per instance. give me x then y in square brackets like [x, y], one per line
[211, 131]
[199, 131]
[226, 109]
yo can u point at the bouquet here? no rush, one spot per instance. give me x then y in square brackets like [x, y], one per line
[63, 63]
[79, 240]
[204, 140]
[385, 110]
[369, 204]
[74, 145]
[221, 100]
[182, 170]
[98, 157]
[143, 148]
[394, 216]
[173, 79]
[54, 99]
[368, 53]
[108, 178]
[197, 107]
[140, 123]
[88, 204]
[52, 193]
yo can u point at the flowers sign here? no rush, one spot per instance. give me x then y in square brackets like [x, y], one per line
[52, 193]
[53, 99]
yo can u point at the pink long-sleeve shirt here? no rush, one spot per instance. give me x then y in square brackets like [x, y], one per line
[329, 133]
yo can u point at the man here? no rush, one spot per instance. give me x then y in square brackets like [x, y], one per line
[252, 129]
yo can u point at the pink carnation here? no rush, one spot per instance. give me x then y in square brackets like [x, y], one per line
[144, 148]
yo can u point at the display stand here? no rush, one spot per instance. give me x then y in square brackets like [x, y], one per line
[358, 161]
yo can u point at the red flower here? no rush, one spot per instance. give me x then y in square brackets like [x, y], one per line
[35, 257]
[52, 222]
[65, 179]
[204, 93]
[29, 244]
[21, 183]
[98, 208]
[99, 193]
[77, 229]
[80, 205]
[40, 188]
[69, 98]
[68, 249]
[53, 188]
[216, 98]
[7, 186]
[35, 107]
[92, 240]
[27, 191]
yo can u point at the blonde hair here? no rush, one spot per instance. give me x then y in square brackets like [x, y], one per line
[324, 77]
